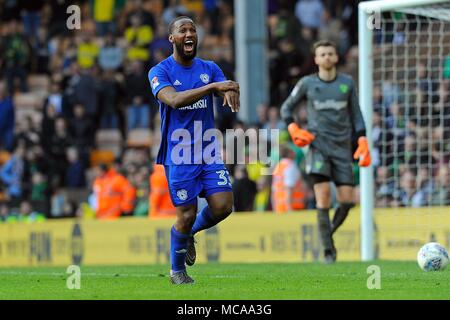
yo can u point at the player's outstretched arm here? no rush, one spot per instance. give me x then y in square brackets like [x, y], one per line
[223, 87]
[171, 97]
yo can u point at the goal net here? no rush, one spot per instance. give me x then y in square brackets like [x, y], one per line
[411, 127]
[411, 120]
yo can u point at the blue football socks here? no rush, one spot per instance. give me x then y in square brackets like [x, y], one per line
[204, 220]
[178, 249]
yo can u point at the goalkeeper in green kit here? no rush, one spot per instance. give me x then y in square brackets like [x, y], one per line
[334, 120]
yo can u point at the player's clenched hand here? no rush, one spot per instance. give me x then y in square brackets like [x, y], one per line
[225, 86]
[300, 137]
[231, 98]
[363, 152]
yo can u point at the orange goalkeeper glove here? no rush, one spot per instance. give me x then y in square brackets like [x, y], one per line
[363, 152]
[300, 137]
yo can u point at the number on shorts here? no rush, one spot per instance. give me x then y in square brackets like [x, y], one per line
[225, 180]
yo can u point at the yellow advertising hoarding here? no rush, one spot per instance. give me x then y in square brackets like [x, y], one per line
[242, 238]
[400, 232]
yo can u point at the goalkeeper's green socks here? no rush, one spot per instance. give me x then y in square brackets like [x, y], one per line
[340, 215]
[323, 221]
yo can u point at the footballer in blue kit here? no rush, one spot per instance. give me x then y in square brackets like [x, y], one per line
[184, 87]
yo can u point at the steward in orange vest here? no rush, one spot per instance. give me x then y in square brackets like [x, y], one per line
[114, 193]
[160, 203]
[287, 190]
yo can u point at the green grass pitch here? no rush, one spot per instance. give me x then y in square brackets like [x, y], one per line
[343, 280]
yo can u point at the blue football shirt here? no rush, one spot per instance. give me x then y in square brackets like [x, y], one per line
[195, 119]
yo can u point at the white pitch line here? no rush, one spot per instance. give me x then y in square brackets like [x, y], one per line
[115, 275]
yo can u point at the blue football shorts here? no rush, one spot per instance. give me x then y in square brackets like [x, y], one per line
[187, 182]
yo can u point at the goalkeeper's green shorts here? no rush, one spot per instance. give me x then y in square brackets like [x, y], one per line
[338, 169]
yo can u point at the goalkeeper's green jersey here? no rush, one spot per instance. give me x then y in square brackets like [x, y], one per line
[332, 108]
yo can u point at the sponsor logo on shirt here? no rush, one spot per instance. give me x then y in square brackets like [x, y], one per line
[177, 83]
[330, 104]
[201, 104]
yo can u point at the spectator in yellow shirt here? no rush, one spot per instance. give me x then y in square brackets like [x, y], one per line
[103, 13]
[87, 52]
[139, 37]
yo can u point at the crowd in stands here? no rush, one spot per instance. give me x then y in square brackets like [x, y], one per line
[411, 135]
[411, 119]
[62, 89]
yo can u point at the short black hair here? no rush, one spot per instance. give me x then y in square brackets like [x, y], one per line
[103, 166]
[172, 24]
[323, 43]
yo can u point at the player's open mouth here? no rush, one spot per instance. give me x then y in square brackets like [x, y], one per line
[189, 45]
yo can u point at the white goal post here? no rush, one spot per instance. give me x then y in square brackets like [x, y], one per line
[368, 12]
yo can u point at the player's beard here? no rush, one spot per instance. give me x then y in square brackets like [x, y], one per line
[187, 57]
[329, 65]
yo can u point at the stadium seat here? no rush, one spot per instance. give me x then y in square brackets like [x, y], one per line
[39, 83]
[26, 100]
[101, 156]
[139, 138]
[21, 114]
[109, 139]
[27, 104]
